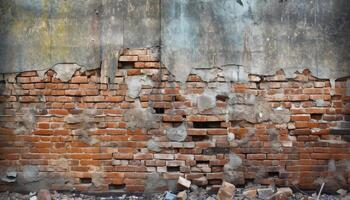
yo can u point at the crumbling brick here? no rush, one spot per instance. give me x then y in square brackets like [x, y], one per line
[94, 125]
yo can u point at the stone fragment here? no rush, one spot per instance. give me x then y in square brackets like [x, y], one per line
[250, 193]
[184, 182]
[10, 176]
[230, 137]
[153, 146]
[342, 192]
[230, 173]
[234, 162]
[280, 116]
[181, 195]
[33, 198]
[169, 196]
[44, 195]
[265, 193]
[206, 101]
[140, 118]
[226, 191]
[30, 173]
[26, 122]
[282, 194]
[258, 112]
[242, 98]
[177, 134]
[135, 84]
[254, 78]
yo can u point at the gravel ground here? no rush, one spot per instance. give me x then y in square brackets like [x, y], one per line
[192, 194]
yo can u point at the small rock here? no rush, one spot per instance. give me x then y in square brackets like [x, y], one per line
[44, 195]
[10, 177]
[250, 193]
[230, 137]
[177, 134]
[33, 198]
[193, 188]
[226, 191]
[181, 195]
[342, 192]
[153, 146]
[184, 182]
[169, 196]
[265, 193]
[282, 194]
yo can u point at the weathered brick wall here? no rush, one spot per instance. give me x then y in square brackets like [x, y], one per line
[143, 130]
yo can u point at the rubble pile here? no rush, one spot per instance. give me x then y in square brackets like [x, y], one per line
[186, 191]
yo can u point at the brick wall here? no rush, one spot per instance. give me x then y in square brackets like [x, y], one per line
[95, 136]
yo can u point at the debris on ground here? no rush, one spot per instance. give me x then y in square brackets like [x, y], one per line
[226, 191]
[181, 195]
[183, 182]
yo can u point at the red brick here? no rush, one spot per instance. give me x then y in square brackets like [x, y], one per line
[94, 98]
[43, 125]
[132, 52]
[58, 112]
[322, 156]
[79, 79]
[28, 73]
[298, 97]
[23, 80]
[217, 131]
[27, 99]
[313, 90]
[256, 156]
[152, 65]
[147, 58]
[139, 65]
[143, 156]
[300, 118]
[43, 132]
[115, 99]
[128, 58]
[277, 156]
[164, 156]
[196, 131]
[172, 118]
[133, 72]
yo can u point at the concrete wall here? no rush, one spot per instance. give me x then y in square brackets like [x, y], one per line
[257, 37]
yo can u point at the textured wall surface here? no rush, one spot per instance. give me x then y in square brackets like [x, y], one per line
[145, 130]
[39, 34]
[258, 36]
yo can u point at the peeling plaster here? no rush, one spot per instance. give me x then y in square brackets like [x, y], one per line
[135, 85]
[139, 117]
[64, 72]
[206, 101]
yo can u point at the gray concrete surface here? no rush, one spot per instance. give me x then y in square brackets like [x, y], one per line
[257, 37]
